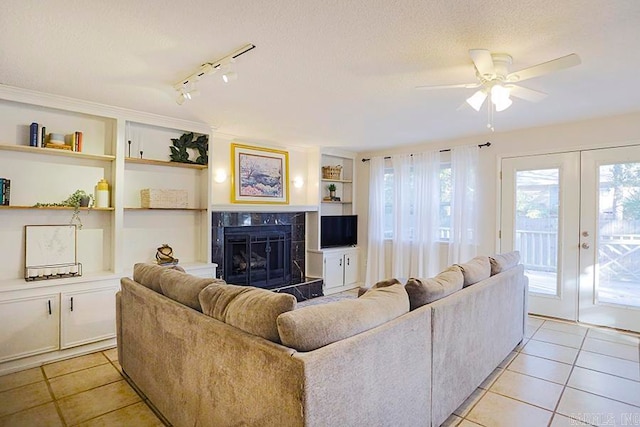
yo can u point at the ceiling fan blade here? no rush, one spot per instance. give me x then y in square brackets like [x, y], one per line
[484, 63]
[462, 85]
[545, 68]
[526, 93]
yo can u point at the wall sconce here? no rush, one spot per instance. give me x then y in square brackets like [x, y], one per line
[220, 176]
[298, 182]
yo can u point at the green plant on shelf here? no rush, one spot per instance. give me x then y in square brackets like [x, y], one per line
[78, 199]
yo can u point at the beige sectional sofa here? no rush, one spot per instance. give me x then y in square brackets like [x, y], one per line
[210, 354]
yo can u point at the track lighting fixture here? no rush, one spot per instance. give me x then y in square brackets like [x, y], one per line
[186, 87]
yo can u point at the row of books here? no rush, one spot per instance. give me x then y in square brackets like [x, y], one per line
[38, 138]
[5, 191]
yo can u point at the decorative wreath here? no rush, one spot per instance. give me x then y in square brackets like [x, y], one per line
[180, 145]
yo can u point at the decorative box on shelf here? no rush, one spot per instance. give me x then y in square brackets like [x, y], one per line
[163, 198]
[331, 172]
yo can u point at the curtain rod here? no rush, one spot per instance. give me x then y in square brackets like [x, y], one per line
[486, 144]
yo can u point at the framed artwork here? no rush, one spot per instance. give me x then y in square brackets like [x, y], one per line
[51, 251]
[259, 175]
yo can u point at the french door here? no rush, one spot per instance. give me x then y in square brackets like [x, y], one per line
[575, 218]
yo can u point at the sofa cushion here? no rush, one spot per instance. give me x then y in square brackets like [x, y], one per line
[251, 309]
[425, 291]
[380, 284]
[184, 288]
[503, 262]
[475, 270]
[148, 275]
[315, 326]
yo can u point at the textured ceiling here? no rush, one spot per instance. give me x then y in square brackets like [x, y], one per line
[330, 73]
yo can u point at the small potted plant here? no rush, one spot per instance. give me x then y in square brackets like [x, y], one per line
[78, 199]
[332, 191]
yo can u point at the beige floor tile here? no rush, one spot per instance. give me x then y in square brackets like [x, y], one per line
[606, 385]
[98, 401]
[623, 351]
[467, 423]
[521, 345]
[534, 321]
[562, 421]
[569, 328]
[556, 352]
[466, 406]
[614, 336]
[493, 376]
[21, 378]
[41, 416]
[76, 382]
[545, 369]
[71, 365]
[111, 354]
[529, 330]
[609, 365]
[138, 415]
[596, 410]
[21, 398]
[452, 421]
[528, 389]
[116, 365]
[557, 337]
[507, 360]
[499, 411]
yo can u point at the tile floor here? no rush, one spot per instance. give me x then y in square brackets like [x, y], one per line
[562, 374]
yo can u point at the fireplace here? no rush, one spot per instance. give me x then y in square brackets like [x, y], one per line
[258, 255]
[269, 250]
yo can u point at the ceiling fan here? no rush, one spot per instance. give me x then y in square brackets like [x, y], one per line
[497, 83]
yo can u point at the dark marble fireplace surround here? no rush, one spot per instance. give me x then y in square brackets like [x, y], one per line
[299, 286]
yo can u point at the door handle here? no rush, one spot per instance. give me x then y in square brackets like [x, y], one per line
[49, 305]
[585, 246]
[340, 262]
[71, 303]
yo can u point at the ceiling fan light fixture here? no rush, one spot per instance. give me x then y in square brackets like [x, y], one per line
[477, 99]
[499, 94]
[503, 105]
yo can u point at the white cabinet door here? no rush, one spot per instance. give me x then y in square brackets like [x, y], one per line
[350, 268]
[333, 270]
[29, 326]
[87, 316]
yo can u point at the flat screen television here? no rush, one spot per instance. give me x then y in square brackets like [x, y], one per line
[338, 230]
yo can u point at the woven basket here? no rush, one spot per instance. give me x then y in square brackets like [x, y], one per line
[162, 198]
[331, 172]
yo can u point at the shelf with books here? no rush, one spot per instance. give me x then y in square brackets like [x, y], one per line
[56, 152]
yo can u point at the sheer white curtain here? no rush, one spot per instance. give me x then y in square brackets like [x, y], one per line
[375, 242]
[464, 204]
[414, 217]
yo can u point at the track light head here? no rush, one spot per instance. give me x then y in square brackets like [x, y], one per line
[229, 76]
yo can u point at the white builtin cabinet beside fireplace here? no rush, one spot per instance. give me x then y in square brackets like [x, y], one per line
[39, 324]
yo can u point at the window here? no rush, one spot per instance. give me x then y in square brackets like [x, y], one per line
[444, 202]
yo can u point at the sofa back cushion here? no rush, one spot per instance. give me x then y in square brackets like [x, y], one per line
[315, 326]
[503, 262]
[251, 309]
[148, 275]
[475, 270]
[184, 288]
[380, 284]
[425, 291]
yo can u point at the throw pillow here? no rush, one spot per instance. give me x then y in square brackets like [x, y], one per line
[475, 270]
[148, 275]
[251, 309]
[184, 288]
[425, 291]
[380, 284]
[315, 326]
[503, 262]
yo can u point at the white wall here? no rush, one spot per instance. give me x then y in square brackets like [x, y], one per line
[596, 133]
[303, 163]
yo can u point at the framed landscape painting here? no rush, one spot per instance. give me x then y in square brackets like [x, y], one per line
[259, 175]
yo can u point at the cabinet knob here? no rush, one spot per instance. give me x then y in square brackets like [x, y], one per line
[341, 262]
